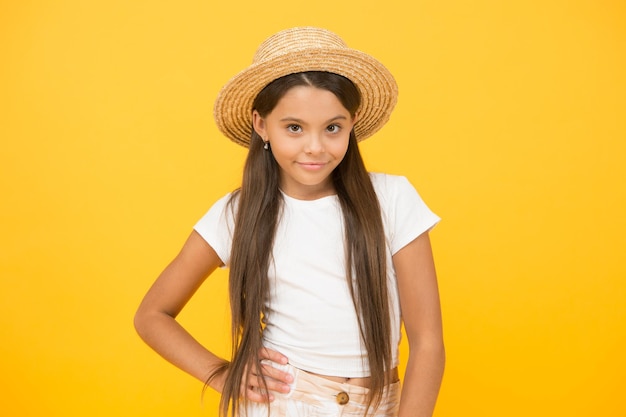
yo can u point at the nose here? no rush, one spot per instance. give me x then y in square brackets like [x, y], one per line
[314, 144]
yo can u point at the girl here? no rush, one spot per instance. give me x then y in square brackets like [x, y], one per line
[325, 259]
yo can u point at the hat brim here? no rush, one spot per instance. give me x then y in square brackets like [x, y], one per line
[378, 89]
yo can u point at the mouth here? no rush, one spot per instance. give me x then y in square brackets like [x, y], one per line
[312, 166]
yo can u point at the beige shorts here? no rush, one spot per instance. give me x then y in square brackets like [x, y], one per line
[314, 396]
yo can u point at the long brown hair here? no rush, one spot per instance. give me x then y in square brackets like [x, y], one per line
[257, 205]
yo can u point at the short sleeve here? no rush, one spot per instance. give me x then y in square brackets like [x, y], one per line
[216, 227]
[405, 214]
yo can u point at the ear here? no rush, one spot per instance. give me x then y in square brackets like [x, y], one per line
[355, 119]
[258, 124]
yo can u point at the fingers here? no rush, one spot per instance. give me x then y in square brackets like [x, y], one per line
[275, 379]
[254, 390]
[257, 396]
[272, 355]
[283, 378]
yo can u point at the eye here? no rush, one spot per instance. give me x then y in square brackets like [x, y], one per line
[294, 128]
[333, 128]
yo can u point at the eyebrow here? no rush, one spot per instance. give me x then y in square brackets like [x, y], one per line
[295, 119]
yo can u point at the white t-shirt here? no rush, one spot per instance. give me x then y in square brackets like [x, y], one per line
[310, 315]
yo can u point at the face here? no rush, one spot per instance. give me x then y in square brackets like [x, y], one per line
[308, 131]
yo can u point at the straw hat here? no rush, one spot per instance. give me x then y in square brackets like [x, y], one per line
[306, 49]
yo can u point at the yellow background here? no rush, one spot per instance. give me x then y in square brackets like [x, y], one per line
[511, 123]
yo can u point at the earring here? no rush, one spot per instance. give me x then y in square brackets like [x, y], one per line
[266, 145]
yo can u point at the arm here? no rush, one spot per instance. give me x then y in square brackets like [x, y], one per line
[421, 313]
[155, 319]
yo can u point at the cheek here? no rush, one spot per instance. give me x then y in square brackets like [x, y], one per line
[283, 156]
[284, 149]
[340, 148]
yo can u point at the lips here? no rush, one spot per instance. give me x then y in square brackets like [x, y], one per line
[312, 166]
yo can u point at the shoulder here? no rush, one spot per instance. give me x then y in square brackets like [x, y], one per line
[387, 185]
[394, 192]
[405, 215]
[221, 214]
[217, 225]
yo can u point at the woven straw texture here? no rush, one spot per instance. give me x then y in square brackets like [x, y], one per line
[299, 50]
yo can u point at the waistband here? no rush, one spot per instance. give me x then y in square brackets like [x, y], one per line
[361, 381]
[318, 391]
